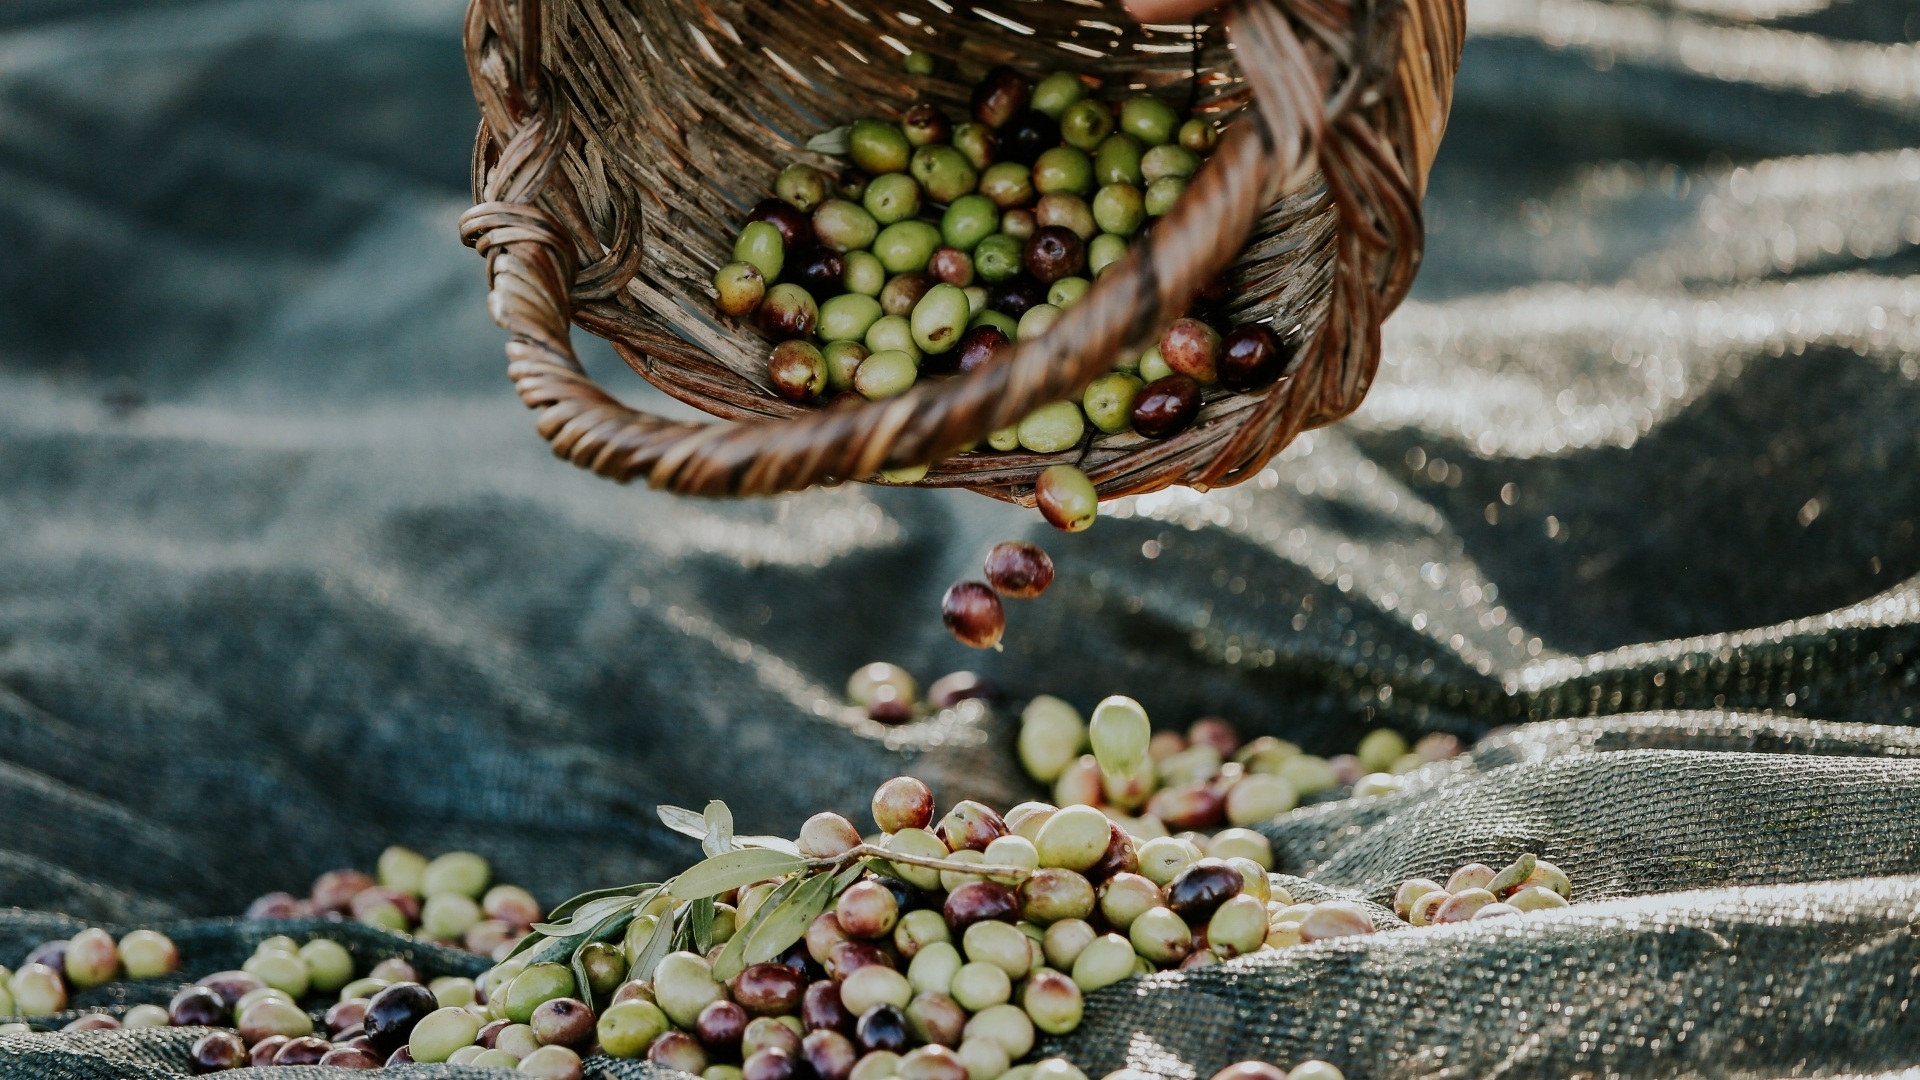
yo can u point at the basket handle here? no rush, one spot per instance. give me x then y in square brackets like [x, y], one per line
[531, 255]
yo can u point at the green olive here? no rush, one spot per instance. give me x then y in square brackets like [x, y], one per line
[848, 317]
[1054, 93]
[760, 244]
[1008, 184]
[1051, 429]
[1052, 1001]
[683, 984]
[1068, 291]
[878, 147]
[977, 142]
[892, 333]
[1063, 168]
[441, 1032]
[448, 916]
[1161, 936]
[944, 172]
[454, 991]
[1242, 844]
[627, 1029]
[1065, 941]
[1162, 859]
[1105, 250]
[998, 258]
[917, 63]
[281, 971]
[981, 985]
[999, 320]
[969, 220]
[739, 287]
[1005, 1024]
[1086, 124]
[401, 868]
[905, 247]
[1117, 161]
[1169, 160]
[1038, 320]
[983, 1058]
[932, 969]
[1108, 402]
[1104, 961]
[1153, 366]
[1163, 193]
[1000, 944]
[329, 964]
[884, 374]
[939, 319]
[843, 359]
[893, 197]
[922, 843]
[1119, 209]
[977, 297]
[1070, 212]
[1237, 927]
[1052, 894]
[1004, 439]
[537, 984]
[1074, 837]
[804, 186]
[842, 226]
[863, 274]
[367, 987]
[1147, 119]
[875, 984]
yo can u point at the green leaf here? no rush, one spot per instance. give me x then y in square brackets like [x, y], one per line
[605, 928]
[831, 142]
[771, 843]
[527, 941]
[733, 869]
[719, 822]
[570, 906]
[658, 945]
[586, 916]
[790, 920]
[700, 918]
[729, 963]
[683, 821]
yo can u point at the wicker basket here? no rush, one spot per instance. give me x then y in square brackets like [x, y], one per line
[622, 142]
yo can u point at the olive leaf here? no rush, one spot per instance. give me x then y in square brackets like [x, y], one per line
[790, 920]
[657, 946]
[733, 869]
[568, 907]
[601, 931]
[771, 843]
[700, 919]
[587, 915]
[730, 962]
[683, 821]
[835, 141]
[719, 823]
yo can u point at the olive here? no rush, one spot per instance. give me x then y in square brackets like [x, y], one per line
[393, 969]
[350, 1057]
[970, 825]
[1117, 161]
[1471, 876]
[1084, 125]
[346, 1014]
[789, 311]
[272, 1016]
[1005, 1024]
[1536, 898]
[1052, 253]
[1259, 797]
[883, 1027]
[932, 1062]
[720, 1025]
[944, 172]
[875, 1065]
[1339, 918]
[276, 905]
[1148, 119]
[803, 186]
[978, 142]
[818, 269]
[850, 956]
[1052, 894]
[282, 971]
[677, 1050]
[1162, 858]
[1052, 1001]
[402, 1056]
[1161, 194]
[1191, 348]
[1069, 212]
[925, 123]
[1252, 356]
[852, 186]
[1119, 858]
[1008, 184]
[822, 1010]
[1201, 888]
[1053, 428]
[891, 198]
[137, 1016]
[1166, 407]
[796, 230]
[939, 319]
[917, 63]
[1079, 784]
[906, 246]
[1066, 497]
[999, 95]
[976, 901]
[1054, 93]
[1189, 806]
[1152, 367]
[198, 1006]
[983, 1058]
[1064, 169]
[903, 291]
[1027, 136]
[105, 1022]
[442, 1032]
[977, 346]
[866, 910]
[1016, 296]
[884, 374]
[90, 958]
[1169, 160]
[1105, 250]
[262, 1053]
[980, 985]
[1019, 569]
[516, 1039]
[918, 842]
[953, 266]
[862, 273]
[551, 1063]
[973, 614]
[1001, 944]
[627, 1028]
[1119, 209]
[935, 1018]
[393, 1012]
[767, 1032]
[829, 1054]
[1161, 936]
[1018, 224]
[1108, 401]
[842, 226]
[969, 220]
[843, 360]
[1068, 291]
[683, 984]
[878, 147]
[217, 1051]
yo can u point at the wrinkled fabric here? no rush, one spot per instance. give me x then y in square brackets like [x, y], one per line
[286, 575]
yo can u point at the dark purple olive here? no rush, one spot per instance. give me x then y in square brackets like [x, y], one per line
[1054, 252]
[1253, 356]
[1000, 95]
[402, 1056]
[1019, 569]
[232, 985]
[1016, 295]
[562, 1022]
[306, 1050]
[393, 1011]
[51, 953]
[1193, 806]
[795, 227]
[957, 686]
[1166, 406]
[361, 1042]
[905, 896]
[830, 1054]
[978, 901]
[848, 957]
[951, 265]
[350, 1057]
[261, 1054]
[357, 1031]
[1120, 857]
[216, 1051]
[973, 614]
[883, 1027]
[199, 1006]
[903, 291]
[679, 1050]
[276, 905]
[491, 1031]
[817, 269]
[772, 1063]
[970, 824]
[720, 1026]
[799, 959]
[1028, 135]
[346, 1014]
[926, 124]
[93, 1022]
[822, 1009]
[890, 710]
[1196, 891]
[769, 989]
[977, 346]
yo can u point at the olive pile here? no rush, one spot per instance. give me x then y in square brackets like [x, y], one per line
[1478, 891]
[445, 900]
[54, 969]
[945, 242]
[1160, 781]
[889, 693]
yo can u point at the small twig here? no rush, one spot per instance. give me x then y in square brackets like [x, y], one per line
[869, 851]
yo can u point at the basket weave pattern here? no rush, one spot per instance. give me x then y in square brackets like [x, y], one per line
[622, 142]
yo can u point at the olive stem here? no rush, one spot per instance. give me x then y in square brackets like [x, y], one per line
[869, 851]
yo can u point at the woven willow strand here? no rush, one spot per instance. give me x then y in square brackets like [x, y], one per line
[622, 140]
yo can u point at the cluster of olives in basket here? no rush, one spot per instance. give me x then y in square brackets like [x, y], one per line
[945, 242]
[446, 900]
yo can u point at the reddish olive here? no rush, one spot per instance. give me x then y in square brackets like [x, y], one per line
[977, 347]
[973, 614]
[1054, 252]
[1166, 407]
[822, 1009]
[978, 901]
[970, 825]
[720, 1026]
[795, 227]
[1000, 95]
[1252, 356]
[1019, 569]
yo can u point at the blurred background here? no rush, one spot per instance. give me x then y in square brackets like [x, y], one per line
[286, 575]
